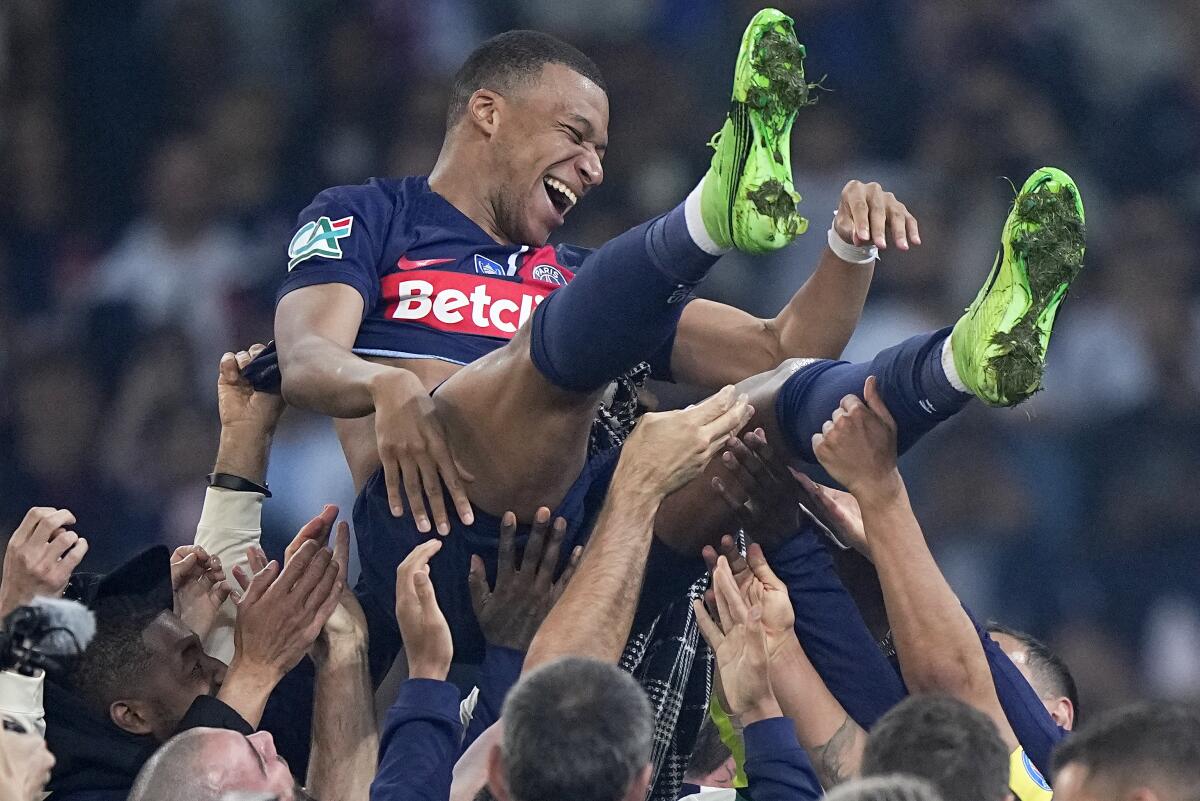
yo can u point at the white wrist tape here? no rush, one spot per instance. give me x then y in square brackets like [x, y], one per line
[854, 254]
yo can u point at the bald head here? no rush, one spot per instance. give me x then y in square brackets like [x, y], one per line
[207, 764]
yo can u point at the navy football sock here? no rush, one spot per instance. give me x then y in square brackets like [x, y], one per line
[622, 306]
[910, 379]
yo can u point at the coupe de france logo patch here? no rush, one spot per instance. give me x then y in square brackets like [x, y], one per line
[319, 238]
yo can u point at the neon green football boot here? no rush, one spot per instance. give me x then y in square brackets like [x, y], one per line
[748, 200]
[999, 345]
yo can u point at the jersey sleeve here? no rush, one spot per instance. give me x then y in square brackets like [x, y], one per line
[339, 239]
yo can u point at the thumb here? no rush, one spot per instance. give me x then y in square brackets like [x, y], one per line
[875, 402]
[477, 583]
[758, 565]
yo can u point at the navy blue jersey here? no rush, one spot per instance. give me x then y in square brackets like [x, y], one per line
[434, 285]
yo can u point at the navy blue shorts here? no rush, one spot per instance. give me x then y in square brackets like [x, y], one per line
[384, 541]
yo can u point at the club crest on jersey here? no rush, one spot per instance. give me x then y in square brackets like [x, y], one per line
[485, 266]
[550, 274]
[319, 238]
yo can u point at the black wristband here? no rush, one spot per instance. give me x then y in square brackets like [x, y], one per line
[236, 483]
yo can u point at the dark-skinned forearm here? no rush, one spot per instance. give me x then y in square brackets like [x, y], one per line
[324, 377]
[821, 317]
[594, 615]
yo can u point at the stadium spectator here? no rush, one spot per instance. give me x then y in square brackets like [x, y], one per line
[944, 741]
[145, 675]
[776, 766]
[1148, 751]
[1045, 671]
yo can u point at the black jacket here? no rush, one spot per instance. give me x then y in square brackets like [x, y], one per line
[93, 754]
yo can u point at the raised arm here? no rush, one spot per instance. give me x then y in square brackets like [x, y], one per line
[718, 344]
[664, 452]
[938, 647]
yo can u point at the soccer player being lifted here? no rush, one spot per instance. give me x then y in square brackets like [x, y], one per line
[465, 358]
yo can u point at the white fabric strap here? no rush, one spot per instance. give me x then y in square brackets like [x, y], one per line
[852, 254]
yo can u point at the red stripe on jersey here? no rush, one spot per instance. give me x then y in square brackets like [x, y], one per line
[462, 303]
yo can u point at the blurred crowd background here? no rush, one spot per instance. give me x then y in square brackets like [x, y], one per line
[155, 154]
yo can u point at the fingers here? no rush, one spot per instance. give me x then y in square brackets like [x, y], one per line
[914, 233]
[48, 524]
[452, 478]
[256, 349]
[732, 420]
[898, 222]
[309, 577]
[181, 571]
[431, 482]
[341, 549]
[506, 552]
[875, 402]
[734, 500]
[737, 562]
[418, 559]
[318, 598]
[262, 581]
[316, 530]
[256, 558]
[569, 571]
[241, 577]
[860, 212]
[391, 479]
[762, 570]
[295, 569]
[229, 372]
[722, 599]
[549, 562]
[72, 558]
[477, 583]
[410, 476]
[709, 630]
[536, 542]
[878, 222]
[427, 598]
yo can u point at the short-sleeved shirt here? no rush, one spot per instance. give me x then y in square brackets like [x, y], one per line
[434, 284]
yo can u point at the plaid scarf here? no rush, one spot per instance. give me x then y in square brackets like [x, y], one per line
[667, 657]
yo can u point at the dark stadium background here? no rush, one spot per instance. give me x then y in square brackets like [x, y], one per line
[154, 155]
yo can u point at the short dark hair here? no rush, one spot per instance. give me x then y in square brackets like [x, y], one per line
[894, 787]
[1147, 744]
[944, 741]
[1050, 673]
[575, 728]
[511, 59]
[117, 657]
[709, 752]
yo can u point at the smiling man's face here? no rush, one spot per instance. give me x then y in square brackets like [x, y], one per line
[548, 148]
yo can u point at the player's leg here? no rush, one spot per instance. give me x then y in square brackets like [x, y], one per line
[995, 352]
[624, 303]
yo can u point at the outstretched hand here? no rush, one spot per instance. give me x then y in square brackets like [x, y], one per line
[761, 495]
[739, 641]
[428, 644]
[668, 449]
[200, 587]
[40, 557]
[857, 445]
[511, 613]
[867, 214]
